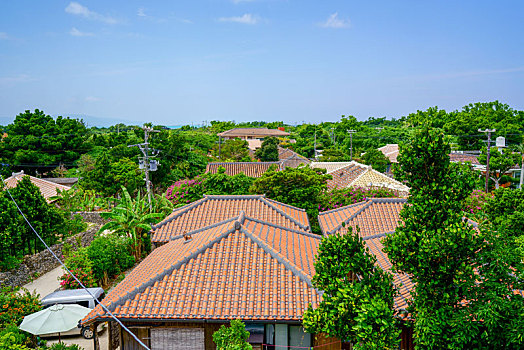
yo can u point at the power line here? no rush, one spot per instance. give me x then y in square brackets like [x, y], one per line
[68, 271]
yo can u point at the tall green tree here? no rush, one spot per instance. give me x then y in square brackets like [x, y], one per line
[499, 163]
[234, 150]
[300, 187]
[37, 142]
[268, 152]
[357, 300]
[376, 159]
[455, 268]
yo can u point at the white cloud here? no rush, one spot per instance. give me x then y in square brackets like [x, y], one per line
[239, 1]
[92, 99]
[141, 12]
[76, 32]
[4, 36]
[245, 19]
[21, 78]
[77, 9]
[334, 22]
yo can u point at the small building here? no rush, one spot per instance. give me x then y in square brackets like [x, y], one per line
[252, 169]
[253, 136]
[243, 257]
[390, 151]
[48, 189]
[354, 174]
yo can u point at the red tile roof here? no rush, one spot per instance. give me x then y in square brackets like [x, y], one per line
[252, 169]
[253, 132]
[290, 158]
[464, 157]
[344, 177]
[242, 268]
[376, 218]
[390, 151]
[47, 188]
[215, 209]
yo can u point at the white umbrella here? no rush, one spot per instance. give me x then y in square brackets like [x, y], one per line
[55, 319]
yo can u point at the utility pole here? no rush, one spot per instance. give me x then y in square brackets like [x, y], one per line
[145, 163]
[488, 131]
[351, 132]
[315, 146]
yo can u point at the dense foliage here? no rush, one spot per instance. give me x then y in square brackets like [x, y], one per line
[16, 237]
[268, 152]
[232, 150]
[77, 261]
[376, 159]
[337, 198]
[233, 337]
[464, 279]
[37, 142]
[15, 304]
[499, 163]
[301, 187]
[357, 303]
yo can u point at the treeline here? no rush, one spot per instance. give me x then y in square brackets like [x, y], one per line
[41, 145]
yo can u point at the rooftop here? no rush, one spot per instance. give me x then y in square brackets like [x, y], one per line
[212, 210]
[239, 268]
[47, 188]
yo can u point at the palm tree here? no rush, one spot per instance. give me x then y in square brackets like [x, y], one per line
[520, 149]
[131, 218]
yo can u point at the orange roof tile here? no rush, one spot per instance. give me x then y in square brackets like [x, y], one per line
[252, 169]
[391, 151]
[47, 188]
[253, 132]
[243, 268]
[211, 210]
[290, 158]
[464, 157]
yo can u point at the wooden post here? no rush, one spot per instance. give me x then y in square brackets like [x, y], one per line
[96, 342]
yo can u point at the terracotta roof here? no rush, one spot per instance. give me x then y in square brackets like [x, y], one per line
[242, 268]
[47, 188]
[376, 218]
[390, 151]
[253, 132]
[464, 157]
[354, 174]
[253, 169]
[331, 166]
[215, 209]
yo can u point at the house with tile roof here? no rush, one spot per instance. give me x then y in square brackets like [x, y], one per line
[290, 158]
[252, 169]
[47, 188]
[390, 151]
[251, 259]
[253, 136]
[213, 209]
[354, 174]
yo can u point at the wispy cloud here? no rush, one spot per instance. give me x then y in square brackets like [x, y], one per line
[76, 32]
[239, 1]
[92, 99]
[77, 9]
[473, 73]
[20, 78]
[334, 21]
[245, 19]
[141, 12]
[4, 36]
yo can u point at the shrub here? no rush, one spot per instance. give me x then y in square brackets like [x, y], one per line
[10, 341]
[62, 346]
[475, 204]
[337, 198]
[109, 256]
[233, 337]
[15, 305]
[79, 264]
[185, 191]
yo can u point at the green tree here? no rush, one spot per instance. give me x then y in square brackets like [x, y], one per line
[221, 183]
[300, 187]
[357, 301]
[130, 218]
[268, 152]
[38, 140]
[505, 210]
[520, 150]
[499, 163]
[456, 270]
[334, 155]
[233, 337]
[376, 159]
[234, 150]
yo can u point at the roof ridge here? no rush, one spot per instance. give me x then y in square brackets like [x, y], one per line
[185, 208]
[308, 234]
[365, 171]
[279, 257]
[234, 196]
[142, 287]
[378, 235]
[345, 222]
[389, 178]
[205, 228]
[307, 227]
[19, 176]
[341, 208]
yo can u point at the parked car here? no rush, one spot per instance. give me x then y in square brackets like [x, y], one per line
[75, 296]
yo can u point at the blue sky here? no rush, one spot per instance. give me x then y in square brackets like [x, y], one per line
[180, 62]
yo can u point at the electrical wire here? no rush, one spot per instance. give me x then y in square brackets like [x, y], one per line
[68, 271]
